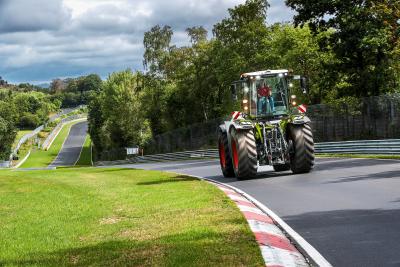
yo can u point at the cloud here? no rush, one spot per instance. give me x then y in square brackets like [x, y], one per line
[32, 15]
[44, 39]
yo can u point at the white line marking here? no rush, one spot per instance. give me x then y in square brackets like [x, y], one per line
[22, 161]
[234, 197]
[313, 255]
[262, 227]
[83, 145]
[72, 123]
[281, 257]
[250, 209]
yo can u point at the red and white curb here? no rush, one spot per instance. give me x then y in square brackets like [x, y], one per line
[276, 248]
[280, 245]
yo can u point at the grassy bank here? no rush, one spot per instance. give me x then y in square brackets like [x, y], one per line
[85, 159]
[20, 134]
[117, 217]
[41, 158]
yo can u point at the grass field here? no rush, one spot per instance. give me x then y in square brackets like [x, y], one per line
[117, 217]
[40, 158]
[85, 158]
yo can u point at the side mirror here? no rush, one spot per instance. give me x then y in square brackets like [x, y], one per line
[234, 93]
[303, 85]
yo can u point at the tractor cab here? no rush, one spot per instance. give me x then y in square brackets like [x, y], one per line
[264, 94]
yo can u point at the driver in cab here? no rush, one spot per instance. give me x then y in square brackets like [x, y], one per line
[265, 99]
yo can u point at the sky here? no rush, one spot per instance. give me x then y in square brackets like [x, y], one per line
[45, 39]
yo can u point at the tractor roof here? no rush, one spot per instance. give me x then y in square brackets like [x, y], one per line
[263, 72]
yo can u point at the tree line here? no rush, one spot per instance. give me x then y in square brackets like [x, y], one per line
[27, 106]
[347, 49]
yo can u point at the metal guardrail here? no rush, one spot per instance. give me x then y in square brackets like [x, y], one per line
[377, 147]
[26, 137]
[381, 147]
[56, 129]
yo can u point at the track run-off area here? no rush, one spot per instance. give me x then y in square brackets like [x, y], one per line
[348, 209]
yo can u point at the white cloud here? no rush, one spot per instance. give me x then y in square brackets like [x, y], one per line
[44, 39]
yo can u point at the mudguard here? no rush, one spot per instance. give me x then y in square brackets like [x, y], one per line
[240, 124]
[300, 120]
[222, 128]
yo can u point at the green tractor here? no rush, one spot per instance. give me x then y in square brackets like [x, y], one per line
[271, 128]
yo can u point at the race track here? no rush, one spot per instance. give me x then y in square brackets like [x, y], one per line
[72, 147]
[348, 209]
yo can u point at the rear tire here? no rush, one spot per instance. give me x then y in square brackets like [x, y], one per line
[225, 158]
[302, 148]
[244, 153]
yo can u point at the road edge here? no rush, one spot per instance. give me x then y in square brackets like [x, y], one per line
[73, 123]
[308, 251]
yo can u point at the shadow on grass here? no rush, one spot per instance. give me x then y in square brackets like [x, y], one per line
[178, 178]
[192, 248]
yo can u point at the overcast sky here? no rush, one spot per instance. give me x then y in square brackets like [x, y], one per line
[45, 39]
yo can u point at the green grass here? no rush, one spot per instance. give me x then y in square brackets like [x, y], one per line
[85, 159]
[40, 158]
[19, 136]
[119, 217]
[358, 156]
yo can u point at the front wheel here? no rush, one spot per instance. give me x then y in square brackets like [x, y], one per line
[225, 158]
[244, 153]
[301, 148]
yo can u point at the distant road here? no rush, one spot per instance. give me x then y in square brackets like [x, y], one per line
[348, 209]
[70, 151]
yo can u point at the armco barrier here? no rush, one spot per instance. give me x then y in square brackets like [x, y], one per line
[377, 147]
[46, 144]
[25, 138]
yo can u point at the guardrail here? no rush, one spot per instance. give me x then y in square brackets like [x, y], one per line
[381, 147]
[377, 147]
[25, 138]
[47, 143]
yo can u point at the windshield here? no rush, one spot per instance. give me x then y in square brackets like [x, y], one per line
[268, 96]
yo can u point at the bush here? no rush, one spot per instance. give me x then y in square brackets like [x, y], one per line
[29, 121]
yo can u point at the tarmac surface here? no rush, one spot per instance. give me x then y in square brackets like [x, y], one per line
[348, 209]
[72, 147]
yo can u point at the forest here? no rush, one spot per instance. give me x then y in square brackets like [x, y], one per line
[348, 50]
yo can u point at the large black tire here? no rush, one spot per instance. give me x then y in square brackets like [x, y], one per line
[301, 144]
[244, 153]
[281, 167]
[225, 158]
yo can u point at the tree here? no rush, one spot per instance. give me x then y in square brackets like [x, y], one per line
[96, 120]
[124, 121]
[197, 34]
[91, 82]
[57, 86]
[156, 44]
[8, 130]
[243, 31]
[365, 34]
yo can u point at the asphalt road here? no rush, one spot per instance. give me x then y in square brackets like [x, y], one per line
[72, 147]
[348, 209]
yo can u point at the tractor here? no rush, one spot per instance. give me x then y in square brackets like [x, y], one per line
[270, 128]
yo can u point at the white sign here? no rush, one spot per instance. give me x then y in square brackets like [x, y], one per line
[132, 150]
